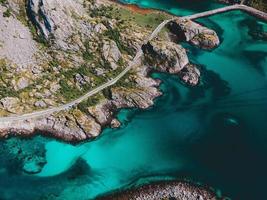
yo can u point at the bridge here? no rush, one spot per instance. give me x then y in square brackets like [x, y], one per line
[252, 11]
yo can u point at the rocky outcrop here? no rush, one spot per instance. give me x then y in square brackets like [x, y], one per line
[68, 125]
[190, 75]
[103, 112]
[16, 42]
[172, 190]
[134, 98]
[166, 56]
[60, 21]
[189, 31]
[11, 104]
[111, 53]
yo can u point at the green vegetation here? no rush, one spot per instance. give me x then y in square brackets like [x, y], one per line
[69, 92]
[149, 20]
[23, 18]
[3, 2]
[127, 81]
[103, 11]
[259, 4]
[87, 55]
[7, 13]
[91, 101]
[114, 34]
[5, 89]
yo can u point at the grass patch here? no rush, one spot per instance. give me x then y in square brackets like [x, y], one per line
[7, 13]
[149, 20]
[114, 34]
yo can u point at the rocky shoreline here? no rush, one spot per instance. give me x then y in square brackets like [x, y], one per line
[169, 190]
[136, 90]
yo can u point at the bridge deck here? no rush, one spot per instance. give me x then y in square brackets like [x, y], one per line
[250, 10]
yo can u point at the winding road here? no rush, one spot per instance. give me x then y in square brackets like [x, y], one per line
[131, 65]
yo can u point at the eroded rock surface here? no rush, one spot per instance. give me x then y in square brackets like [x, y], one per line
[200, 36]
[171, 190]
[166, 56]
[16, 42]
[60, 20]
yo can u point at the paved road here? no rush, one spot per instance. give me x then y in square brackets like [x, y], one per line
[132, 64]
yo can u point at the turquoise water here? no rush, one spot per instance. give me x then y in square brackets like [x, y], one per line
[176, 7]
[215, 134]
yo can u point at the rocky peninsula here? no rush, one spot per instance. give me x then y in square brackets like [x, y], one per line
[168, 190]
[52, 54]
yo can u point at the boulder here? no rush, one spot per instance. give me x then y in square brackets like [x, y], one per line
[190, 75]
[115, 123]
[40, 104]
[134, 97]
[111, 53]
[21, 83]
[12, 104]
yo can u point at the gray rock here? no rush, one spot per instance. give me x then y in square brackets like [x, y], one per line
[11, 104]
[165, 190]
[196, 34]
[100, 28]
[61, 23]
[79, 79]
[68, 126]
[40, 104]
[103, 112]
[22, 83]
[190, 75]
[166, 56]
[115, 123]
[99, 71]
[111, 53]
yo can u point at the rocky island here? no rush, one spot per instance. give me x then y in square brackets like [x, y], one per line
[169, 190]
[52, 55]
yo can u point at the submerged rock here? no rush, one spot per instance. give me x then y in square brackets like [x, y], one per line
[28, 156]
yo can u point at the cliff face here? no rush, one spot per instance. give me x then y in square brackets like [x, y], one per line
[54, 51]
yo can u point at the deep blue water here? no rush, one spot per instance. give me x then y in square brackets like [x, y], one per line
[215, 134]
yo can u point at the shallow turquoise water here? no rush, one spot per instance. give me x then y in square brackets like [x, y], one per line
[215, 134]
[176, 7]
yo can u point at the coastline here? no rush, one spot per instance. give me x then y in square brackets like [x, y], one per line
[84, 126]
[165, 190]
[74, 124]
